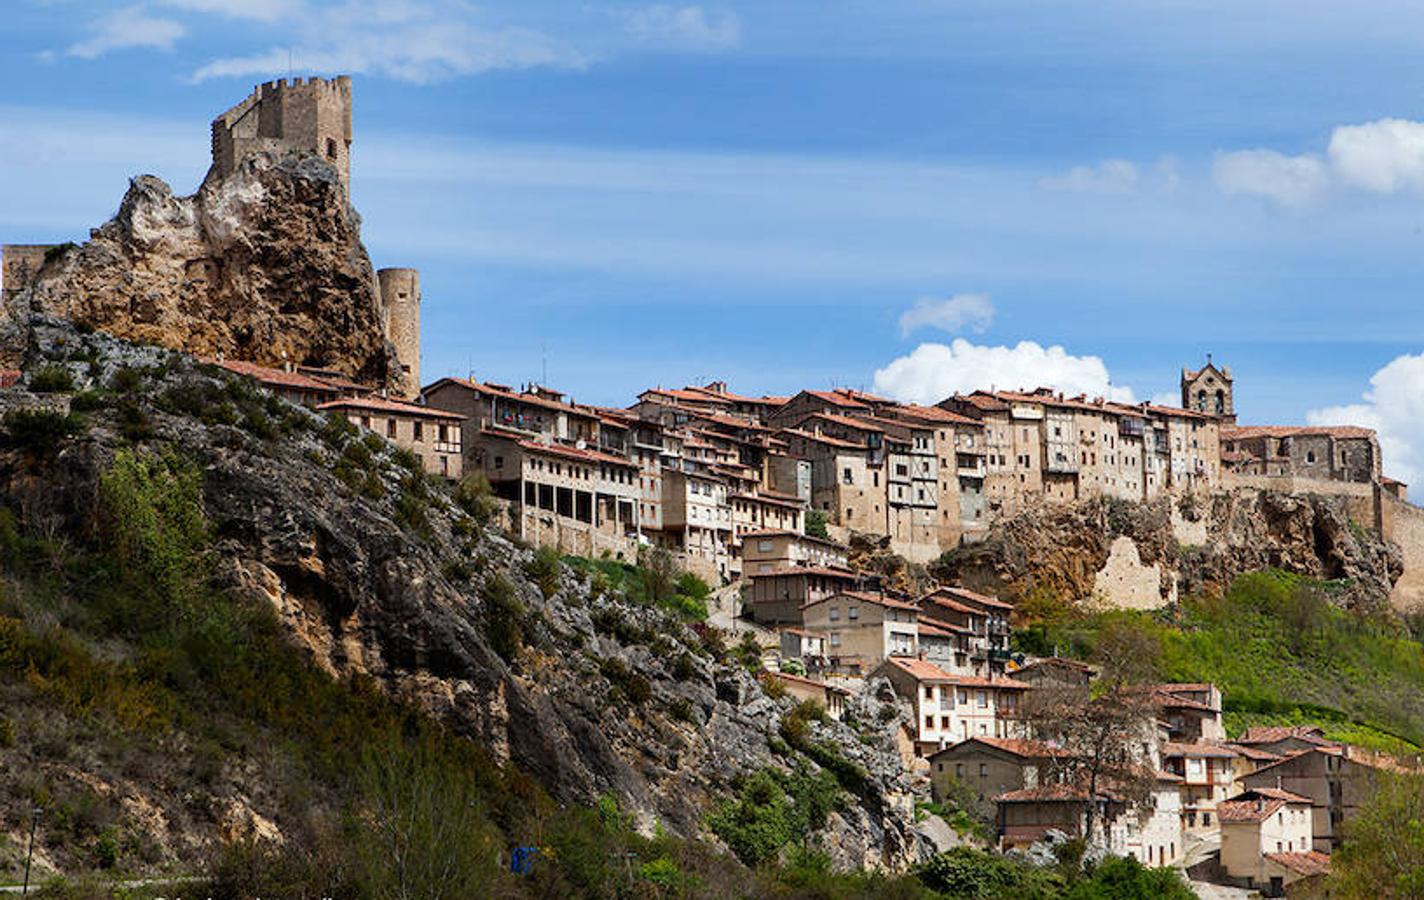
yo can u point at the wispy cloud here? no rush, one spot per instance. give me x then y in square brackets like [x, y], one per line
[685, 27]
[951, 314]
[1287, 180]
[130, 27]
[1111, 176]
[256, 10]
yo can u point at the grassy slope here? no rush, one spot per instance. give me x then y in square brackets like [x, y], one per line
[1281, 654]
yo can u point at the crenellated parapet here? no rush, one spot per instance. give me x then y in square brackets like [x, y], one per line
[312, 114]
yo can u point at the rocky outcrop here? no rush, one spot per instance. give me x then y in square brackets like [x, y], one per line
[1199, 546]
[602, 696]
[264, 265]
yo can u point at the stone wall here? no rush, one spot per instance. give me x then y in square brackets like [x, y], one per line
[1126, 582]
[312, 115]
[400, 295]
[19, 264]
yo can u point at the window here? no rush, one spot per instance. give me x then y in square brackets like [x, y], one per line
[982, 699]
[419, 428]
[983, 770]
[959, 770]
[1310, 456]
[499, 462]
[390, 428]
[331, 153]
[845, 476]
[853, 612]
[835, 614]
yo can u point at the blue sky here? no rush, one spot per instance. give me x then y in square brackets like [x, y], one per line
[642, 193]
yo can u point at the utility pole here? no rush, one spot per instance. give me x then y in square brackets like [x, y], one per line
[30, 854]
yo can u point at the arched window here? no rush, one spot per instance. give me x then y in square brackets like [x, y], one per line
[1201, 400]
[1221, 401]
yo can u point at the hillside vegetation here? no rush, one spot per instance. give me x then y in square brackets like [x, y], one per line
[1279, 649]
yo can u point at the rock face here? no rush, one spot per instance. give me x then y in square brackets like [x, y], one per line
[1198, 547]
[264, 265]
[603, 696]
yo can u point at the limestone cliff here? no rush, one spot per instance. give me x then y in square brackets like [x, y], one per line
[603, 695]
[1176, 548]
[265, 264]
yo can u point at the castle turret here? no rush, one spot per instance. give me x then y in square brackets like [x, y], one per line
[400, 298]
[313, 115]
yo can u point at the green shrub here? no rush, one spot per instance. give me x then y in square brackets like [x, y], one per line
[772, 810]
[503, 617]
[816, 524]
[153, 519]
[474, 495]
[40, 431]
[629, 684]
[87, 401]
[412, 503]
[544, 567]
[126, 380]
[52, 379]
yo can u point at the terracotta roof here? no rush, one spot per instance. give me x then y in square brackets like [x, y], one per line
[1269, 734]
[787, 676]
[927, 628]
[499, 390]
[1255, 753]
[1247, 810]
[822, 439]
[1048, 793]
[278, 377]
[810, 539]
[1312, 862]
[1202, 750]
[804, 632]
[975, 597]
[1028, 749]
[867, 597]
[1005, 683]
[807, 570]
[931, 414]
[951, 604]
[562, 450]
[9, 377]
[690, 395]
[944, 626]
[845, 421]
[834, 398]
[983, 400]
[1242, 432]
[920, 670]
[774, 501]
[1278, 794]
[399, 407]
[863, 397]
[1057, 661]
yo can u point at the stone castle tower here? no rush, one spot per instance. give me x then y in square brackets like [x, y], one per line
[312, 115]
[1209, 390]
[400, 297]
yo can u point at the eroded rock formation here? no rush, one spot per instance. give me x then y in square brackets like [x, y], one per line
[265, 264]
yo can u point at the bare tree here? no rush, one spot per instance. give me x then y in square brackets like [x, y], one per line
[1104, 731]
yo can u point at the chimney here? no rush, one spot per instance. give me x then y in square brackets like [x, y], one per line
[1278, 781]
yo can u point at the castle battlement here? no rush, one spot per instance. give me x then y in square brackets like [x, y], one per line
[312, 115]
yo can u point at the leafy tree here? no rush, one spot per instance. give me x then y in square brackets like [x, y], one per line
[816, 524]
[1382, 854]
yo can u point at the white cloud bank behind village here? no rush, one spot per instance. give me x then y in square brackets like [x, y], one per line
[1394, 407]
[933, 371]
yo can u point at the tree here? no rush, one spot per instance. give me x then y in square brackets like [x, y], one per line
[1101, 730]
[1382, 854]
[816, 523]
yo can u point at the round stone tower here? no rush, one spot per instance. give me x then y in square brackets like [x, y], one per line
[400, 297]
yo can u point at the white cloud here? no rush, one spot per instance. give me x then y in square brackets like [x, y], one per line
[258, 10]
[1111, 176]
[1167, 398]
[1394, 408]
[1382, 156]
[127, 28]
[686, 26]
[1287, 180]
[973, 311]
[419, 50]
[934, 371]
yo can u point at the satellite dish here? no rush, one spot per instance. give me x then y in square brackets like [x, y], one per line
[581, 445]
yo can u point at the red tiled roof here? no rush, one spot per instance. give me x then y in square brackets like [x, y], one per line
[1312, 862]
[561, 450]
[9, 377]
[931, 414]
[774, 501]
[825, 571]
[499, 390]
[380, 404]
[1058, 661]
[950, 604]
[944, 626]
[278, 377]
[690, 395]
[822, 439]
[804, 633]
[868, 597]
[1028, 749]
[1048, 793]
[919, 669]
[787, 676]
[1278, 794]
[1243, 432]
[982, 400]
[1255, 753]
[1269, 734]
[1005, 683]
[845, 421]
[1200, 750]
[1256, 805]
[928, 628]
[975, 597]
[835, 398]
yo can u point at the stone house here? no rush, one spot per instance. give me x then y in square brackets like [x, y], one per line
[697, 520]
[759, 512]
[863, 628]
[580, 501]
[1208, 776]
[1192, 711]
[1258, 822]
[847, 483]
[777, 597]
[1025, 816]
[1281, 740]
[1337, 780]
[1055, 671]
[950, 708]
[832, 697]
[808, 402]
[912, 482]
[291, 384]
[431, 434]
[764, 551]
[959, 450]
[946, 645]
[1001, 487]
[1321, 453]
[1154, 832]
[810, 647]
[986, 767]
[941, 610]
[988, 616]
[1193, 446]
[490, 408]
